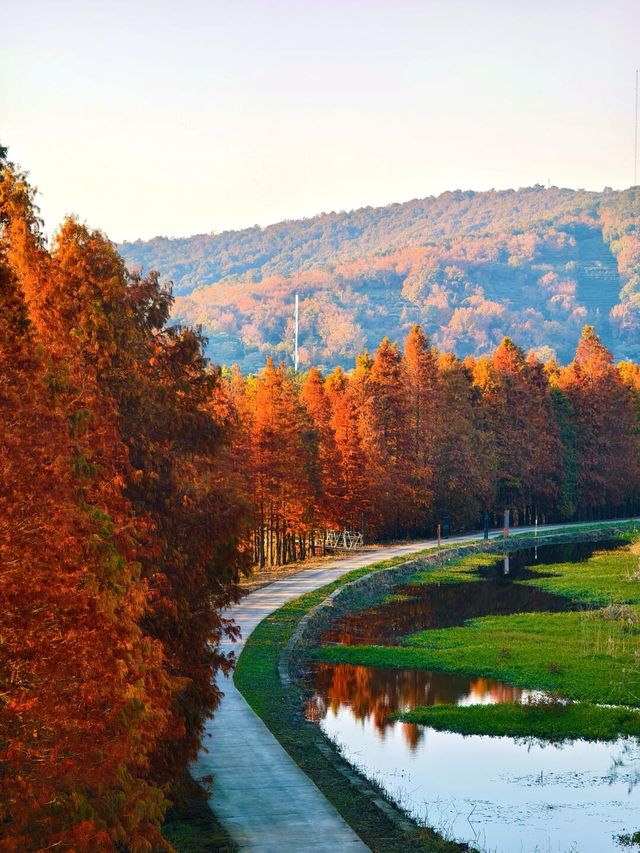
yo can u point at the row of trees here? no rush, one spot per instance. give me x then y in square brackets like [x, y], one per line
[119, 535]
[410, 436]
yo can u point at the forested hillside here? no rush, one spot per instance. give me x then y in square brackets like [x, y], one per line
[535, 264]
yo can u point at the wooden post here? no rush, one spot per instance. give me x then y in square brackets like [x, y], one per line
[439, 532]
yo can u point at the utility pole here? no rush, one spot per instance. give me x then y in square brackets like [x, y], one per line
[635, 146]
[295, 346]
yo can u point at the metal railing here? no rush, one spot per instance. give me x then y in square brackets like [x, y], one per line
[343, 540]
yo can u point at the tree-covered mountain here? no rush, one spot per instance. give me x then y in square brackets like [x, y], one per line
[535, 264]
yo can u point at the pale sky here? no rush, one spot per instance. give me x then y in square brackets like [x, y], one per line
[178, 118]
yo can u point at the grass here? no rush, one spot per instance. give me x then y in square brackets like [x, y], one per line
[578, 655]
[589, 655]
[452, 570]
[607, 576]
[456, 570]
[280, 707]
[553, 721]
[631, 839]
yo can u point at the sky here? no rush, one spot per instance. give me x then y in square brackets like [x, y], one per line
[176, 118]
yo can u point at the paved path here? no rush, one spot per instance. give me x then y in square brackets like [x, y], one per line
[262, 798]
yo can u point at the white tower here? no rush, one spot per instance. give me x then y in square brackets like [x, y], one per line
[635, 147]
[295, 346]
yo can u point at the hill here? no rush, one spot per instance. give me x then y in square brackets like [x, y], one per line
[535, 264]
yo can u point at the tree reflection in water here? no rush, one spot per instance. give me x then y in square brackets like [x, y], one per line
[426, 606]
[496, 780]
[377, 693]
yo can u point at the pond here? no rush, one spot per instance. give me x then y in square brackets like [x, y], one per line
[497, 793]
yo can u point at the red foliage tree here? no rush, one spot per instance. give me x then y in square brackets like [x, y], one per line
[383, 425]
[351, 476]
[465, 479]
[328, 491]
[604, 419]
[118, 570]
[283, 490]
[86, 696]
[421, 378]
[517, 402]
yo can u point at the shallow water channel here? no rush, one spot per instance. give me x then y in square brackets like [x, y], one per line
[496, 793]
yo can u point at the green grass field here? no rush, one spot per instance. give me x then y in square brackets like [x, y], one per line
[543, 720]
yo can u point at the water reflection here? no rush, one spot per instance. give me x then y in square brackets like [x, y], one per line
[427, 606]
[373, 694]
[496, 793]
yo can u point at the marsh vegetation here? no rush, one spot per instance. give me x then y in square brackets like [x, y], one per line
[493, 698]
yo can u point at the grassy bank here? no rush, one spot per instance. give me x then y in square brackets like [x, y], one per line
[543, 720]
[459, 570]
[588, 655]
[581, 656]
[607, 576]
[281, 707]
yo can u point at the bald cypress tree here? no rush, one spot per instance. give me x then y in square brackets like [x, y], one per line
[423, 415]
[606, 443]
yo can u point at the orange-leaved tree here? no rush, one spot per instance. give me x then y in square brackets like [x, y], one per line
[603, 411]
[421, 377]
[86, 695]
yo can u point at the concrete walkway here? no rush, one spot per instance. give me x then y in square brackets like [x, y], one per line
[262, 798]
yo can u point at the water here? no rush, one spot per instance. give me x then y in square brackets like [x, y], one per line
[496, 793]
[447, 605]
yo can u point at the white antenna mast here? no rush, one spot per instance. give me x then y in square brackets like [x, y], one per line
[295, 348]
[635, 147]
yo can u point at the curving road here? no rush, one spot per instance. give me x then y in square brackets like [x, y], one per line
[262, 798]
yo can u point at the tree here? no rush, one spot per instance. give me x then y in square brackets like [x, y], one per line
[465, 461]
[176, 422]
[283, 492]
[604, 420]
[422, 391]
[519, 410]
[352, 484]
[85, 694]
[324, 476]
[125, 532]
